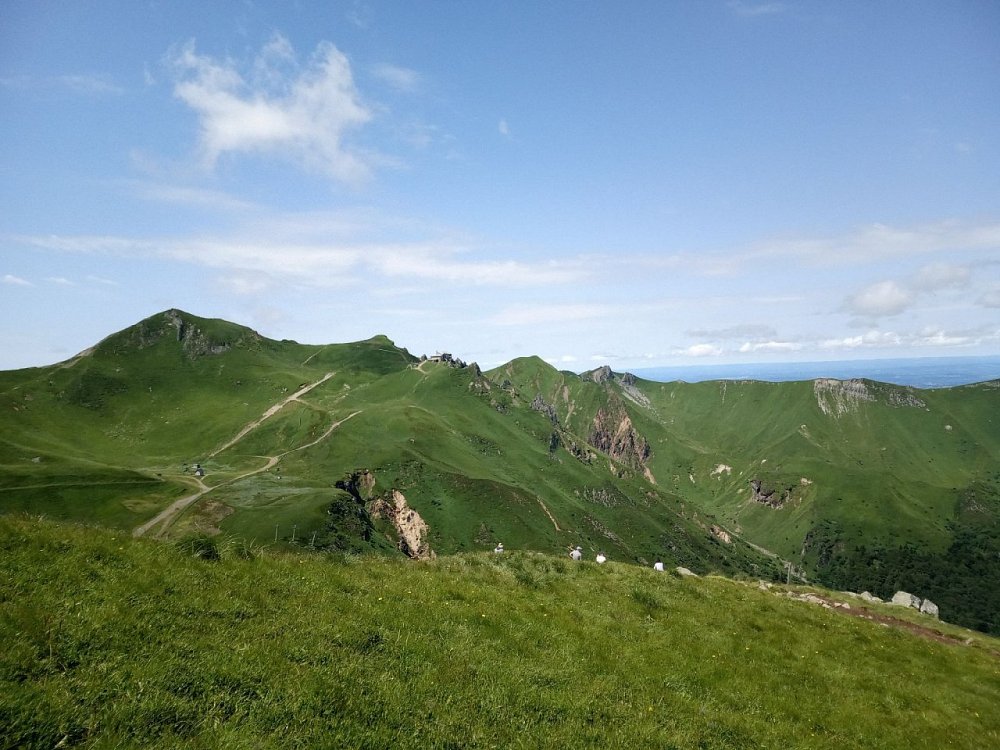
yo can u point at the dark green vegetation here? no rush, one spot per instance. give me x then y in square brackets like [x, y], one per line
[362, 448]
[114, 642]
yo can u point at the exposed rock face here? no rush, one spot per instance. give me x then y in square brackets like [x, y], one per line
[838, 397]
[760, 493]
[359, 484]
[601, 374]
[411, 528]
[539, 405]
[613, 433]
[721, 534]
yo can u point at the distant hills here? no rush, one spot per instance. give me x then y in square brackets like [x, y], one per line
[181, 425]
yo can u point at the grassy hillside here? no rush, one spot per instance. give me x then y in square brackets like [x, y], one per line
[284, 431]
[115, 642]
[362, 447]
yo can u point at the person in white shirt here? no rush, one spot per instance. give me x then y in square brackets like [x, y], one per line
[658, 565]
[601, 558]
[499, 548]
[577, 553]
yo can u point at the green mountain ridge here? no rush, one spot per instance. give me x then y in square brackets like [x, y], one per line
[364, 447]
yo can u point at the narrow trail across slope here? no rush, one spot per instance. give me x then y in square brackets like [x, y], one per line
[250, 426]
[165, 518]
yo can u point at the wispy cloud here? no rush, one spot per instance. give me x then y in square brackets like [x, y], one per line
[769, 347]
[277, 106]
[401, 79]
[546, 314]
[15, 280]
[189, 196]
[59, 280]
[744, 8]
[701, 350]
[882, 299]
[503, 128]
[325, 264]
[989, 298]
[83, 84]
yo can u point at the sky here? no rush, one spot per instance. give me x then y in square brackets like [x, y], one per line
[636, 183]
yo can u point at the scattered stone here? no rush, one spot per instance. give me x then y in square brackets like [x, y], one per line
[929, 608]
[903, 599]
[682, 571]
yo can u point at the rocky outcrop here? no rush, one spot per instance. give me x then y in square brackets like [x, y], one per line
[929, 608]
[538, 404]
[905, 599]
[612, 433]
[721, 534]
[410, 527]
[684, 572]
[838, 397]
[770, 496]
[601, 375]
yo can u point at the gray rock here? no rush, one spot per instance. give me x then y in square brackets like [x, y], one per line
[684, 572]
[869, 597]
[903, 599]
[929, 608]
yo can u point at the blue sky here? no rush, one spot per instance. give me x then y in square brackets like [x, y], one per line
[634, 184]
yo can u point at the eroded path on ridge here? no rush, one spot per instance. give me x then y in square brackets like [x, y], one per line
[165, 518]
[254, 424]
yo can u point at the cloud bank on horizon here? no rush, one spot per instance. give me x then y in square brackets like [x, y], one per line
[638, 185]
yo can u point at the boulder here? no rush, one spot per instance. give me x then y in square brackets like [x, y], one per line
[929, 608]
[869, 597]
[684, 572]
[903, 599]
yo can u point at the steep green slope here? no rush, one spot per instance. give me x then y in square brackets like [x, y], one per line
[355, 447]
[362, 447]
[861, 484]
[112, 642]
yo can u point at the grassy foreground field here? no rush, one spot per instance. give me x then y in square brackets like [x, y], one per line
[115, 642]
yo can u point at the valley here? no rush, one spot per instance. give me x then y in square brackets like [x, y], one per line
[853, 484]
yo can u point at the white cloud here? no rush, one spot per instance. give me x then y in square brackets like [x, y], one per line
[747, 330]
[83, 84]
[769, 347]
[15, 280]
[871, 339]
[878, 242]
[503, 128]
[60, 280]
[401, 79]
[933, 336]
[885, 298]
[701, 350]
[938, 276]
[300, 112]
[189, 196]
[990, 298]
[545, 314]
[743, 8]
[319, 263]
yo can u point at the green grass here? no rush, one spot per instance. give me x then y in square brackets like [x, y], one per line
[112, 642]
[112, 438]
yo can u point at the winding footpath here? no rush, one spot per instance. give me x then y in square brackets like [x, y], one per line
[165, 518]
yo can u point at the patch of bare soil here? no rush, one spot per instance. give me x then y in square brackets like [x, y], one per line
[920, 631]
